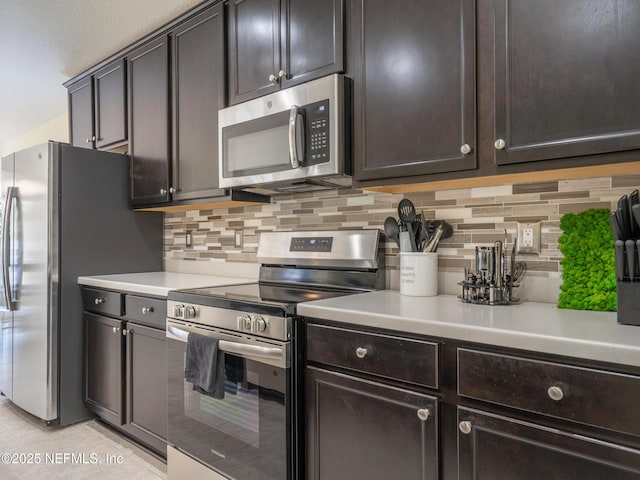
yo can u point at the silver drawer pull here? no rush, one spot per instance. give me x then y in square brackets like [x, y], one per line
[99, 301]
[555, 393]
[361, 352]
[116, 329]
[423, 414]
[465, 427]
[146, 310]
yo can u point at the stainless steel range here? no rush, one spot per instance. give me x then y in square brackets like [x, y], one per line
[251, 432]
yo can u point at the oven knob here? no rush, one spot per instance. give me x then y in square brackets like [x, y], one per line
[190, 312]
[178, 311]
[261, 324]
[246, 322]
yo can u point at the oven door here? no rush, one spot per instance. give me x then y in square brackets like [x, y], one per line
[246, 434]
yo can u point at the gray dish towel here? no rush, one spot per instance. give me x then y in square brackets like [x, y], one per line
[204, 366]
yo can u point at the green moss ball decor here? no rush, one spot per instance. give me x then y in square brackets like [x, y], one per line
[588, 267]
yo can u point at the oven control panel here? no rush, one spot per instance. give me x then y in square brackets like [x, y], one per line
[252, 323]
[237, 321]
[185, 312]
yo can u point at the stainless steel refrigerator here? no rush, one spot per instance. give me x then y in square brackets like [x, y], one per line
[65, 214]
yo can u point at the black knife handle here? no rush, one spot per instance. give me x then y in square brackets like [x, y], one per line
[623, 217]
[619, 251]
[631, 258]
[615, 226]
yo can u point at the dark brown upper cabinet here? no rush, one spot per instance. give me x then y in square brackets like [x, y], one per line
[566, 76]
[198, 93]
[414, 87]
[275, 44]
[174, 130]
[81, 112]
[148, 70]
[98, 108]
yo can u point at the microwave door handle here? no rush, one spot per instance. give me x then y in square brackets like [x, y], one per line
[294, 158]
[234, 347]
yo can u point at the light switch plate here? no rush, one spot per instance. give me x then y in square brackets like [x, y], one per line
[529, 237]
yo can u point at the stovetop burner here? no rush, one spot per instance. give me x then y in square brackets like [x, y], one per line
[256, 297]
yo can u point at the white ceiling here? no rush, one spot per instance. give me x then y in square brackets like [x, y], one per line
[43, 43]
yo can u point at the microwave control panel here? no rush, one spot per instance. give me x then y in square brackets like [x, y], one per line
[318, 132]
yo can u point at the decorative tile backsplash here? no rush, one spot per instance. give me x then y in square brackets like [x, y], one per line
[478, 216]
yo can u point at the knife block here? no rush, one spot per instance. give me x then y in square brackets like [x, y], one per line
[629, 303]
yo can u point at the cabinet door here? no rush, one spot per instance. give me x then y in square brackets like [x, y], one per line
[111, 105]
[104, 351]
[147, 380]
[361, 430]
[414, 87]
[566, 76]
[501, 448]
[198, 94]
[312, 39]
[81, 112]
[148, 72]
[254, 48]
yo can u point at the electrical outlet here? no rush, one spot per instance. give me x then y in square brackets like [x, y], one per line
[529, 237]
[238, 239]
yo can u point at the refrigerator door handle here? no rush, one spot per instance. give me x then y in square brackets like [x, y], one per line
[6, 279]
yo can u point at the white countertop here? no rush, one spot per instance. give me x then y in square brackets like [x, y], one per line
[540, 327]
[158, 283]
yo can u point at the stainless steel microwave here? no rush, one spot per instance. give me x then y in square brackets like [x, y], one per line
[296, 138]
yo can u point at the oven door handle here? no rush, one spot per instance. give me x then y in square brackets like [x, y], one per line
[235, 347]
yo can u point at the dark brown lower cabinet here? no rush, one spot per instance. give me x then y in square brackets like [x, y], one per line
[363, 430]
[147, 382]
[104, 347]
[501, 448]
[126, 366]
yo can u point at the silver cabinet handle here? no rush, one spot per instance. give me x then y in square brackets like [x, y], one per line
[146, 310]
[116, 329]
[465, 149]
[88, 140]
[125, 331]
[273, 78]
[361, 352]
[99, 301]
[163, 191]
[282, 74]
[423, 414]
[555, 393]
[172, 190]
[93, 139]
[465, 427]
[500, 144]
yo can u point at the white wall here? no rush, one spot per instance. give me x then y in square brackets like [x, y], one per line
[55, 129]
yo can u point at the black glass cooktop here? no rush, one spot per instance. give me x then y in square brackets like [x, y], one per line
[255, 297]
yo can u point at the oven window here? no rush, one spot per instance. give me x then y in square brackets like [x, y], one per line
[257, 146]
[237, 415]
[246, 434]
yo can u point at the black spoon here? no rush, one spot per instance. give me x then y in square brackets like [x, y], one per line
[391, 230]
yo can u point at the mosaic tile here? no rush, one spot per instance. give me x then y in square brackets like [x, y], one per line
[479, 215]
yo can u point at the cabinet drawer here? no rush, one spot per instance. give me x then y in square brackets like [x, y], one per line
[585, 395]
[412, 361]
[102, 301]
[145, 310]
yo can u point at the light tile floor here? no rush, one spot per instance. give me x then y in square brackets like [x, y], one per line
[31, 450]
